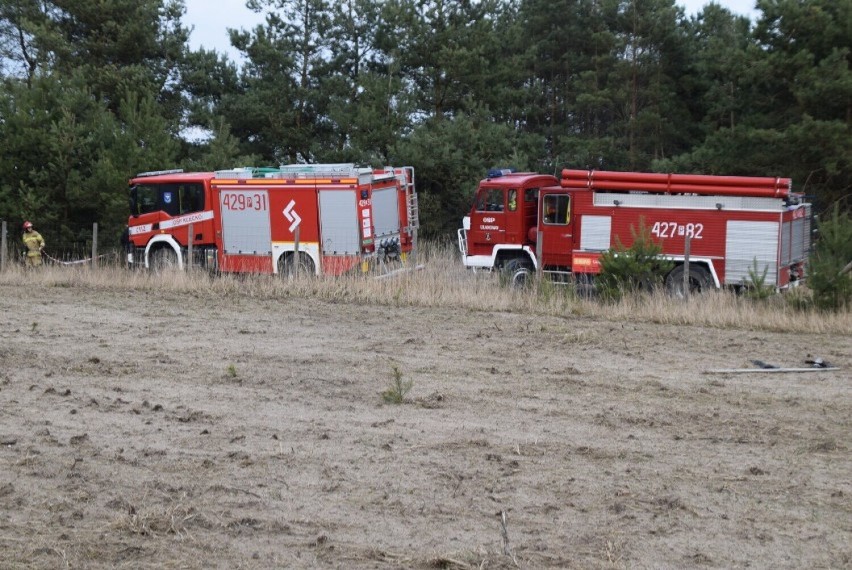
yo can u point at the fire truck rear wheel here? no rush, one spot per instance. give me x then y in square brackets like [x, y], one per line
[306, 265]
[700, 280]
[519, 272]
[163, 259]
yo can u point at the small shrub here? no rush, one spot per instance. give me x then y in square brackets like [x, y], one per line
[639, 267]
[231, 371]
[398, 388]
[547, 290]
[755, 285]
[800, 298]
[832, 252]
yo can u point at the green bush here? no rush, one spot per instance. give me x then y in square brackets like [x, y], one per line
[755, 285]
[639, 267]
[832, 252]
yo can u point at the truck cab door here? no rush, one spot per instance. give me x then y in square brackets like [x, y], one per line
[487, 221]
[556, 229]
[515, 227]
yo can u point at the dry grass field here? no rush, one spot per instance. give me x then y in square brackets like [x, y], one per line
[196, 422]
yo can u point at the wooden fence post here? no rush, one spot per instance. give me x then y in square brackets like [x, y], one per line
[189, 239]
[3, 246]
[686, 245]
[294, 267]
[94, 245]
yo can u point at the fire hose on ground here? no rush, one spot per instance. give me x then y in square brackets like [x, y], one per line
[75, 262]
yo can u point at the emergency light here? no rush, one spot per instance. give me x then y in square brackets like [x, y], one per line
[498, 172]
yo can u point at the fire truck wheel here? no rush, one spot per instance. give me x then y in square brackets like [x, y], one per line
[163, 259]
[699, 280]
[584, 284]
[286, 268]
[519, 272]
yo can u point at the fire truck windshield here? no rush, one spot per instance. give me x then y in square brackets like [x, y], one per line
[173, 199]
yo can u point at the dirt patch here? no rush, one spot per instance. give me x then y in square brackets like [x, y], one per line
[177, 431]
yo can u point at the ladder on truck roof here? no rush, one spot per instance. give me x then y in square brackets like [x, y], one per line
[339, 170]
[244, 172]
[159, 172]
[364, 175]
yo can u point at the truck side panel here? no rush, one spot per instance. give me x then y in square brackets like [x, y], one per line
[707, 220]
[245, 222]
[386, 221]
[238, 263]
[339, 222]
[749, 243]
[292, 208]
[258, 224]
[796, 235]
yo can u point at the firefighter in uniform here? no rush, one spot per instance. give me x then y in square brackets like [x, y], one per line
[550, 214]
[34, 244]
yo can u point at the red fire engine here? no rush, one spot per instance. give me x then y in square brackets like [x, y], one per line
[521, 222]
[324, 218]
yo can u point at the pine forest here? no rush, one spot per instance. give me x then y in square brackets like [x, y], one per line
[95, 91]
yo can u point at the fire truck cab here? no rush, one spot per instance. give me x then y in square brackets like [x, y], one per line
[524, 222]
[164, 204]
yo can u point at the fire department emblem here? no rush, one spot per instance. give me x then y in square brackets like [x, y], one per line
[294, 218]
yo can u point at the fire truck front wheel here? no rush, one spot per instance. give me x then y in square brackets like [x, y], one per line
[163, 259]
[519, 272]
[287, 266]
[700, 280]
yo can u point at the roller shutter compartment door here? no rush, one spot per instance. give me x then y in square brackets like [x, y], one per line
[339, 222]
[386, 212]
[245, 222]
[749, 241]
[595, 233]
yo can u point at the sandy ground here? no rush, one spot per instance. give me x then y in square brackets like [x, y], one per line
[184, 432]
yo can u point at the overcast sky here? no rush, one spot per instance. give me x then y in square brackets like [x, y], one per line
[212, 18]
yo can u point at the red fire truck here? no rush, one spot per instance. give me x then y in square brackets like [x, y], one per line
[522, 222]
[323, 218]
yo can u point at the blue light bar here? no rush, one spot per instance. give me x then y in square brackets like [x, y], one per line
[498, 172]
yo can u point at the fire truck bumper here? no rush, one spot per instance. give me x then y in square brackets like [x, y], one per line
[478, 262]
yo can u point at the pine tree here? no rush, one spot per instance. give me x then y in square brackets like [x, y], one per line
[828, 272]
[91, 97]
